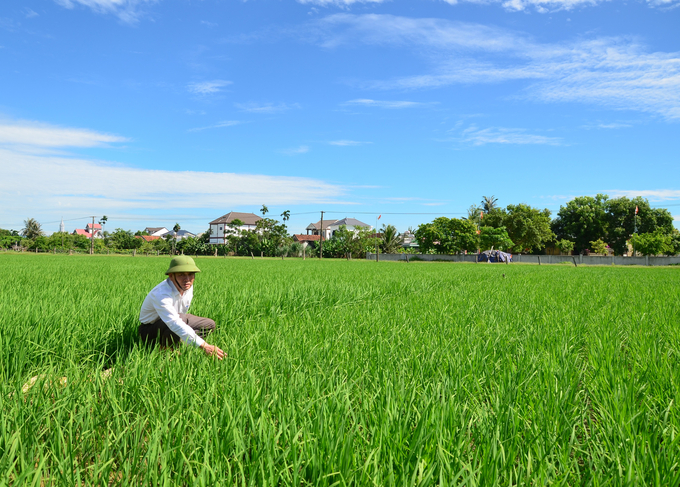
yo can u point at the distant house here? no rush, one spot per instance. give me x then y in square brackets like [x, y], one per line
[87, 231]
[305, 240]
[332, 226]
[315, 228]
[220, 229]
[156, 231]
[180, 234]
[148, 238]
[408, 240]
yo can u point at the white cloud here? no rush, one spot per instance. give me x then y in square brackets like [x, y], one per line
[652, 194]
[384, 103]
[30, 13]
[49, 185]
[336, 3]
[616, 72]
[345, 143]
[608, 126]
[40, 135]
[208, 87]
[224, 123]
[128, 11]
[500, 135]
[266, 107]
[546, 6]
[303, 149]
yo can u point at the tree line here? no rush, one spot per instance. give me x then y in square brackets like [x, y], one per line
[585, 224]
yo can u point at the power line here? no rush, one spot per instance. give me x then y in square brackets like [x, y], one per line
[392, 213]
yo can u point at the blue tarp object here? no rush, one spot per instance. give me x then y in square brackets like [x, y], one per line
[494, 256]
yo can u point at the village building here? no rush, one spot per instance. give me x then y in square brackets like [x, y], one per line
[156, 231]
[89, 228]
[220, 228]
[306, 240]
[180, 234]
[332, 226]
[148, 238]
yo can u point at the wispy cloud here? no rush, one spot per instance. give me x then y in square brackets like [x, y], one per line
[652, 194]
[49, 185]
[24, 133]
[345, 143]
[30, 13]
[616, 72]
[208, 87]
[546, 6]
[303, 149]
[337, 3]
[266, 107]
[558, 197]
[541, 6]
[128, 11]
[225, 123]
[384, 103]
[608, 126]
[500, 135]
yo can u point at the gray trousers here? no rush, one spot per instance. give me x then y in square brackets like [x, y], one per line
[158, 330]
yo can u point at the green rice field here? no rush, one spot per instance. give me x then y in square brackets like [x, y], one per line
[341, 373]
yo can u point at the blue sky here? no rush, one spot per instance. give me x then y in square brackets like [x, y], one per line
[155, 111]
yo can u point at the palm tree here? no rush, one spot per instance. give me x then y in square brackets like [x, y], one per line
[31, 229]
[474, 214]
[175, 229]
[264, 210]
[489, 203]
[285, 215]
[102, 222]
[390, 239]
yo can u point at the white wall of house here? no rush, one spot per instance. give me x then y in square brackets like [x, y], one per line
[334, 228]
[218, 231]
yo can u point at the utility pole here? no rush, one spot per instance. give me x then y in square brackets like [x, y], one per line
[635, 230]
[92, 237]
[321, 239]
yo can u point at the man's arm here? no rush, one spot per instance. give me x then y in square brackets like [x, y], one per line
[167, 312]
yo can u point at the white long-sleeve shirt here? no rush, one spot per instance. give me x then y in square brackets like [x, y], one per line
[165, 302]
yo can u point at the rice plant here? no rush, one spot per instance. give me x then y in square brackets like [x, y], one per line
[341, 373]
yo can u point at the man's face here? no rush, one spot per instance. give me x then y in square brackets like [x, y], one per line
[183, 280]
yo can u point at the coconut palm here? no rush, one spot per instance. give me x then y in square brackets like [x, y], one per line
[489, 203]
[391, 240]
[175, 229]
[473, 214]
[31, 229]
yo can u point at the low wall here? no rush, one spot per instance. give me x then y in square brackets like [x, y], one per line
[536, 259]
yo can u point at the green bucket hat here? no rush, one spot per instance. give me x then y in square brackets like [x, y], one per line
[182, 263]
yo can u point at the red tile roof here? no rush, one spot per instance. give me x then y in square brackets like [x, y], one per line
[148, 238]
[306, 238]
[80, 231]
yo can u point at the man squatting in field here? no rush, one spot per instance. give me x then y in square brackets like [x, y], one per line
[164, 311]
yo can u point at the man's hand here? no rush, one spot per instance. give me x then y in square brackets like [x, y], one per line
[213, 351]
